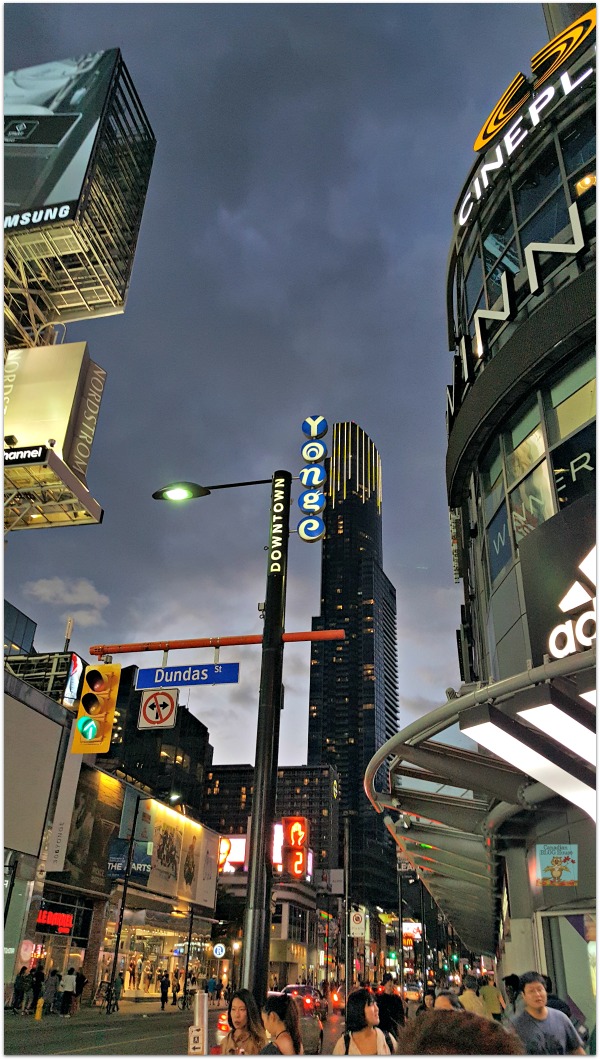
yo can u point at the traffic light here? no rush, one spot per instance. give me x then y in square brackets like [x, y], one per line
[295, 862]
[96, 710]
[295, 846]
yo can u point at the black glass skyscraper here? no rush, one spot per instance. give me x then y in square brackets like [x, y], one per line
[354, 683]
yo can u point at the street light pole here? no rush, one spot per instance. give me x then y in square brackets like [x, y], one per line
[113, 971]
[257, 919]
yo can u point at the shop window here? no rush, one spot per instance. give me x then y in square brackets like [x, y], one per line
[574, 466]
[509, 262]
[578, 142]
[498, 542]
[531, 503]
[548, 222]
[474, 285]
[492, 485]
[572, 401]
[537, 183]
[498, 234]
[524, 456]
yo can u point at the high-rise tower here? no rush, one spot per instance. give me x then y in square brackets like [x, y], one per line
[354, 683]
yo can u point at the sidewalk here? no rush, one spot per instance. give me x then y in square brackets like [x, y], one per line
[88, 1013]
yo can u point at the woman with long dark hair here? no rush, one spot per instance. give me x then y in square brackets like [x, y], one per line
[281, 1021]
[363, 1036]
[247, 1035]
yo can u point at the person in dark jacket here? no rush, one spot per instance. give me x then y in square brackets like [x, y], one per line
[164, 990]
[37, 979]
[391, 1007]
[80, 981]
[19, 989]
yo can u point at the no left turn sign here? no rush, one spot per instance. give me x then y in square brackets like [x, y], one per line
[158, 709]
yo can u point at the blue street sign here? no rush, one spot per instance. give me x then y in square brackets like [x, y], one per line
[196, 674]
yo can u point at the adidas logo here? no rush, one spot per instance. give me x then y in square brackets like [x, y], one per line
[580, 632]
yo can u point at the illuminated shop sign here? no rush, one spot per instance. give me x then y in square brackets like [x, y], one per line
[558, 570]
[534, 106]
[312, 502]
[54, 923]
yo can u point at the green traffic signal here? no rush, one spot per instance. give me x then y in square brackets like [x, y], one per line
[88, 728]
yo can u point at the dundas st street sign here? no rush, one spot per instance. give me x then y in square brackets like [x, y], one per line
[196, 674]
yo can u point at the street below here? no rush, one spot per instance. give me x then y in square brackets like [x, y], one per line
[130, 1032]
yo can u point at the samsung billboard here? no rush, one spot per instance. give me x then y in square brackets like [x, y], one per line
[52, 117]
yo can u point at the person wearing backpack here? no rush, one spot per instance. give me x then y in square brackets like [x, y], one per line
[363, 1035]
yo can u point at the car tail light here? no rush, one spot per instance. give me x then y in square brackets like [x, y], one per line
[223, 1023]
[335, 997]
[308, 1000]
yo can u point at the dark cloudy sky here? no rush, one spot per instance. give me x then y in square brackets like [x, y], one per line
[291, 261]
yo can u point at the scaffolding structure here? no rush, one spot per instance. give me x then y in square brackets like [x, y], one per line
[81, 270]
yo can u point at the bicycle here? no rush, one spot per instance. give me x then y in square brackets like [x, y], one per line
[108, 1003]
[186, 1000]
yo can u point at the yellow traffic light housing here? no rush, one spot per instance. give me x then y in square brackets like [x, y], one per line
[96, 710]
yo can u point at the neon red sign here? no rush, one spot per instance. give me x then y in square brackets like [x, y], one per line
[62, 922]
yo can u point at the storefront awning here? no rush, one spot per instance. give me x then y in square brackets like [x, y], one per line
[452, 800]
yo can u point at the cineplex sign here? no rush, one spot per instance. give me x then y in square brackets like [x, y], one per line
[532, 105]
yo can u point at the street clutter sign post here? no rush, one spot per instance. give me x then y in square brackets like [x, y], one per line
[198, 1032]
[357, 924]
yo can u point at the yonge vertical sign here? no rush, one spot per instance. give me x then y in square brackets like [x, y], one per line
[313, 477]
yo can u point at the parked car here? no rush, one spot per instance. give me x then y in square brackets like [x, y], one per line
[338, 998]
[311, 1027]
[311, 998]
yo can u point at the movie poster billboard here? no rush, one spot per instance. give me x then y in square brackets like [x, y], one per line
[95, 821]
[52, 117]
[182, 853]
[198, 869]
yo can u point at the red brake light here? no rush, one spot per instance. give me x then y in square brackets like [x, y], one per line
[335, 997]
[308, 1000]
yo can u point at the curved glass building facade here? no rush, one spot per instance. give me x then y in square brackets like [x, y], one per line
[521, 319]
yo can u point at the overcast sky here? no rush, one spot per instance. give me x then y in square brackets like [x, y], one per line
[291, 262]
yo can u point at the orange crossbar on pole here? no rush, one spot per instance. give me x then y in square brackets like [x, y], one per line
[210, 642]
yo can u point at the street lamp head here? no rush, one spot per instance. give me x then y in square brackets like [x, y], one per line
[180, 491]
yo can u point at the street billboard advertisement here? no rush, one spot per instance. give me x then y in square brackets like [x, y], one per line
[182, 853]
[95, 821]
[52, 117]
[53, 393]
[558, 569]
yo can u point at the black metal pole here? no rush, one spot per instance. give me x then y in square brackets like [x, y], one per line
[187, 955]
[257, 919]
[113, 972]
[348, 947]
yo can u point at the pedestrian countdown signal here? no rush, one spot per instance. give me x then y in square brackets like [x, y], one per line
[96, 710]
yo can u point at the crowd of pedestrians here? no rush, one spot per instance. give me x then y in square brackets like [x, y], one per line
[60, 994]
[477, 1021]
